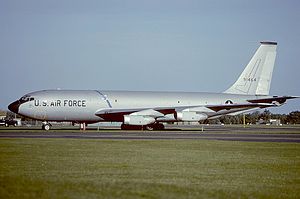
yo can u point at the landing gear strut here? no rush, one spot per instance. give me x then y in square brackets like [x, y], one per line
[83, 126]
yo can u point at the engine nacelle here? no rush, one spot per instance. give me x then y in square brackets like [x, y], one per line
[190, 116]
[138, 120]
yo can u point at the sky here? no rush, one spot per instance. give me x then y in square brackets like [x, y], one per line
[155, 45]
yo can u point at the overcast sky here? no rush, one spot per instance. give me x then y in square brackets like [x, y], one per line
[144, 45]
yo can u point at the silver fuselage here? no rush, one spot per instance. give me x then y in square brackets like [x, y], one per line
[82, 105]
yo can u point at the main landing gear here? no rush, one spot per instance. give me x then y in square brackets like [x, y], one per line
[150, 127]
[82, 126]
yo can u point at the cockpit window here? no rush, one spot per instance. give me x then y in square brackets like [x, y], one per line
[26, 98]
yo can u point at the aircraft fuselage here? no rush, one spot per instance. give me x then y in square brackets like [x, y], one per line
[82, 105]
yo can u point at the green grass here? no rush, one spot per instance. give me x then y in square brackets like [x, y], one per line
[76, 168]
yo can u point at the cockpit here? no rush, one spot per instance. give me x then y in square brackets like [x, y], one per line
[26, 98]
[14, 107]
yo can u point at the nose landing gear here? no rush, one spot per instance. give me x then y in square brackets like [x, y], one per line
[46, 126]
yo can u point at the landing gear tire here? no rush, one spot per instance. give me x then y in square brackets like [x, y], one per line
[46, 127]
[123, 127]
[149, 127]
[162, 127]
[131, 127]
[159, 126]
[154, 127]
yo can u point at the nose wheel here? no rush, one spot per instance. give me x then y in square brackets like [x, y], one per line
[46, 126]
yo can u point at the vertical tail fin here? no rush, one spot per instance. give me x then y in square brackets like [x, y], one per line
[256, 77]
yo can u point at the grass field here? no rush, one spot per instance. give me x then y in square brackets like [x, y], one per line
[76, 168]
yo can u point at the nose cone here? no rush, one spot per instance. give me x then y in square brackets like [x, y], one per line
[14, 107]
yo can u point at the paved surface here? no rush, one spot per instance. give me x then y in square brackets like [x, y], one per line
[257, 134]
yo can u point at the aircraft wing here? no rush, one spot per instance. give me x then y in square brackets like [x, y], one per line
[112, 114]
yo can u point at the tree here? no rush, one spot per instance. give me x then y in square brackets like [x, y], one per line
[266, 115]
[2, 113]
[294, 117]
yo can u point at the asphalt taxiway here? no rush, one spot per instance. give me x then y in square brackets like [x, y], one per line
[264, 134]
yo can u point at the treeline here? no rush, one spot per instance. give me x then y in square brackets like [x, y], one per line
[262, 117]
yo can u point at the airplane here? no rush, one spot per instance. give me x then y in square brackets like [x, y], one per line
[148, 109]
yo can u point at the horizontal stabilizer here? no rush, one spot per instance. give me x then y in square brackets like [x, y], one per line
[280, 100]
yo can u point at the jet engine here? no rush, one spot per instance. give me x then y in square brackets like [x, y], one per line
[138, 120]
[190, 116]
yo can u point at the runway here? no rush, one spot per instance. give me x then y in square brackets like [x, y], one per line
[211, 133]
